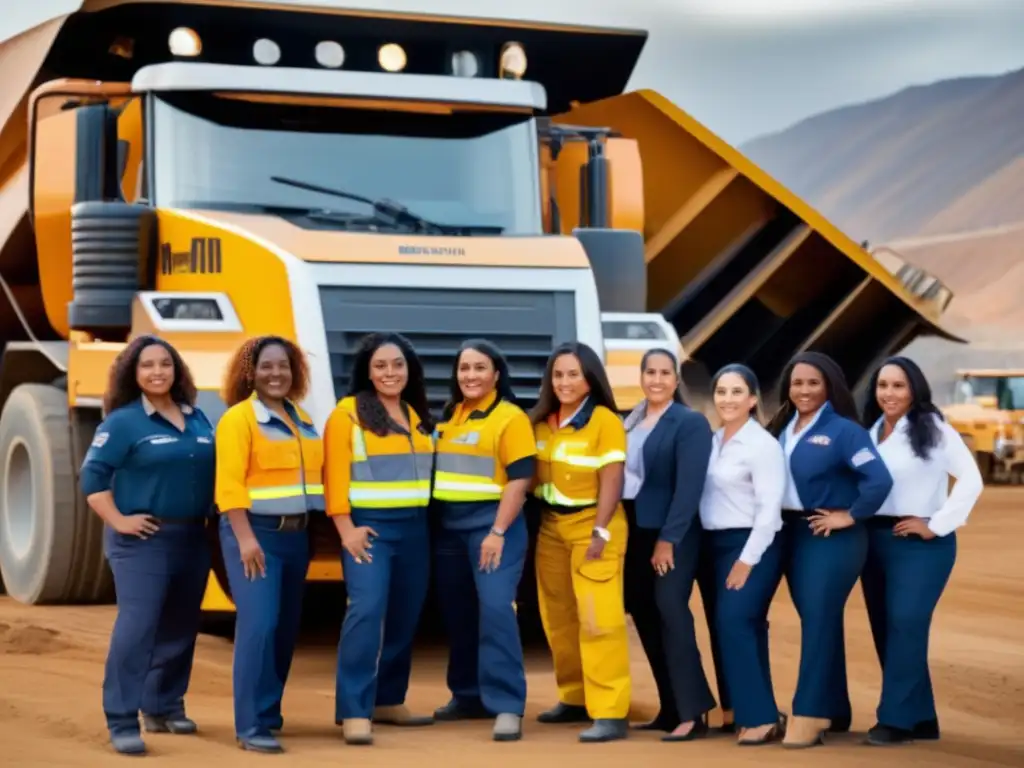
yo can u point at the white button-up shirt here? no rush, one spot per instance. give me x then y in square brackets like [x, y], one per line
[744, 487]
[921, 486]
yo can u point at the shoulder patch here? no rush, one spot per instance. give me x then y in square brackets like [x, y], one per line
[862, 457]
[100, 439]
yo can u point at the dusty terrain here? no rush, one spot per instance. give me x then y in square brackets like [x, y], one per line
[51, 664]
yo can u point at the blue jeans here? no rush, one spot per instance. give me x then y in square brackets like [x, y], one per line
[159, 583]
[486, 657]
[385, 599]
[269, 610]
[902, 581]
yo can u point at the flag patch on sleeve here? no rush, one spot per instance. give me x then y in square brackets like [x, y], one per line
[862, 457]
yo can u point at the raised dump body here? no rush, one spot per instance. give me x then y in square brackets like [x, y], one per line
[746, 271]
[208, 184]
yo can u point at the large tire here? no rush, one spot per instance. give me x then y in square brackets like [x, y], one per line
[51, 545]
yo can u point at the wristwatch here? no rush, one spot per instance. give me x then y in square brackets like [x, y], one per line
[602, 533]
[500, 532]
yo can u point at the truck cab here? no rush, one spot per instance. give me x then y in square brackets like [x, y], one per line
[988, 412]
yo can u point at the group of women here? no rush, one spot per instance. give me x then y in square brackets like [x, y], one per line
[632, 514]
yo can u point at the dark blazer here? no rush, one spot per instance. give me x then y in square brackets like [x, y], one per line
[676, 456]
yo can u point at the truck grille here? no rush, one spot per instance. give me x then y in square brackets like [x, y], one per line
[526, 326]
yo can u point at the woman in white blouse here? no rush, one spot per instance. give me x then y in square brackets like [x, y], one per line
[741, 513]
[912, 544]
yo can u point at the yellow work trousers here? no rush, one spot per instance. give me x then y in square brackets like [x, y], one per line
[581, 607]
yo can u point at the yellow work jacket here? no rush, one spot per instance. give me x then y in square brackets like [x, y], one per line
[474, 447]
[569, 456]
[363, 470]
[266, 465]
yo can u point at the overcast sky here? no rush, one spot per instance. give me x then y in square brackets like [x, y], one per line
[749, 67]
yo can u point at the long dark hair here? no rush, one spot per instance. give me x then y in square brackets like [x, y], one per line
[371, 412]
[503, 387]
[123, 383]
[593, 372]
[837, 391]
[749, 378]
[924, 430]
[677, 393]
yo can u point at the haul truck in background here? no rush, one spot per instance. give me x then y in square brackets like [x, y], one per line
[209, 171]
[988, 412]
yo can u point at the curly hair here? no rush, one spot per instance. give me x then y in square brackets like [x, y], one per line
[123, 385]
[371, 412]
[241, 372]
[923, 416]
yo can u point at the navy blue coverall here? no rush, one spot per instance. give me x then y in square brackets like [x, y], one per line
[155, 469]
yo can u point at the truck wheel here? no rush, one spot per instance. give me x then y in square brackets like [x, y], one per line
[986, 465]
[51, 544]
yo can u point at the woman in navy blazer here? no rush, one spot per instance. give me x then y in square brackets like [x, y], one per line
[668, 449]
[834, 480]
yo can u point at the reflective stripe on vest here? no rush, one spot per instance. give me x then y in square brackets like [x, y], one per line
[461, 477]
[280, 499]
[387, 481]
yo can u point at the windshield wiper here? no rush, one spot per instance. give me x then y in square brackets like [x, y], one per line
[389, 213]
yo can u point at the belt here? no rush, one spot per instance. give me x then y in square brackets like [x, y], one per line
[281, 522]
[194, 520]
[793, 515]
[564, 510]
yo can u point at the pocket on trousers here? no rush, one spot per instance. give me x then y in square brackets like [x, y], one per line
[599, 600]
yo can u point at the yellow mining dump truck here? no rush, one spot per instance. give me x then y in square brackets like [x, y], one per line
[214, 170]
[988, 412]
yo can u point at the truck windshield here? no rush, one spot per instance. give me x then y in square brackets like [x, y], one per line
[464, 169]
[1003, 392]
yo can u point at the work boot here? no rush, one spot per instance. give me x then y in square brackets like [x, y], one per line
[606, 729]
[802, 732]
[564, 713]
[461, 710]
[128, 743]
[399, 714]
[886, 735]
[261, 743]
[927, 730]
[358, 730]
[508, 727]
[177, 724]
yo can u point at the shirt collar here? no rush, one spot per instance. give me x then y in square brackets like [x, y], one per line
[579, 419]
[743, 434]
[791, 426]
[149, 409]
[482, 410]
[902, 425]
[264, 414]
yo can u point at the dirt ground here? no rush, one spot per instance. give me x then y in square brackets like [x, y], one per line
[51, 666]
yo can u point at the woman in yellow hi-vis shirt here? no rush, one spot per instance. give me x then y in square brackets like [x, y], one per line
[269, 461]
[378, 456]
[581, 453]
[484, 464]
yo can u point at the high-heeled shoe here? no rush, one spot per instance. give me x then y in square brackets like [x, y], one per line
[699, 730]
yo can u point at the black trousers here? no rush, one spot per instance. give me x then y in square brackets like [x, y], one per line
[665, 623]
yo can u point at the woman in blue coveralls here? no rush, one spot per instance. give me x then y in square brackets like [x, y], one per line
[834, 480]
[149, 474]
[378, 456]
[741, 553]
[911, 542]
[269, 463]
[485, 460]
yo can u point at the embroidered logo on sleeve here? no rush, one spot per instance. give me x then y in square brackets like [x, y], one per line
[100, 440]
[862, 457]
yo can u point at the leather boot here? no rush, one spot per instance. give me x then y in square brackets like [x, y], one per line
[802, 732]
[606, 729]
[400, 715]
[358, 730]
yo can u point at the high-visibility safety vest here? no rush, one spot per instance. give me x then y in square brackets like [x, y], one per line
[469, 465]
[569, 456]
[367, 471]
[267, 465]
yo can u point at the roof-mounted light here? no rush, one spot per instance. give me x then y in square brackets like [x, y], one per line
[391, 57]
[512, 61]
[465, 64]
[184, 42]
[330, 54]
[266, 52]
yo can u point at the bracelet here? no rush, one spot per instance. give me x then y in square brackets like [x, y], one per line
[497, 532]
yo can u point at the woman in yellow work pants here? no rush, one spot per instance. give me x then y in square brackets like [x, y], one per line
[581, 451]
